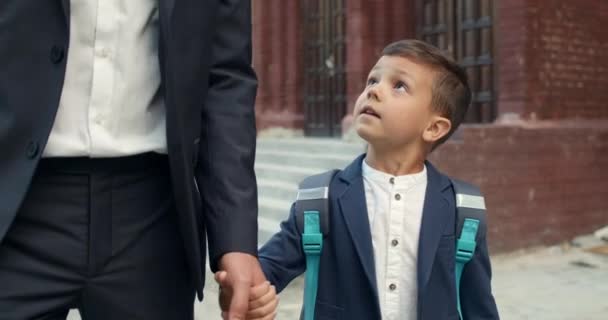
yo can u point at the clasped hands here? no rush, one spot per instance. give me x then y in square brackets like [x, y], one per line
[244, 292]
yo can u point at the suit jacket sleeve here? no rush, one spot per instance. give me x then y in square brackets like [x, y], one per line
[282, 257]
[228, 136]
[476, 297]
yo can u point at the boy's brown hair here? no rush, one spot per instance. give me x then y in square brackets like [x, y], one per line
[450, 92]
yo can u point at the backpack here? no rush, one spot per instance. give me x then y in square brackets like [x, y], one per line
[312, 215]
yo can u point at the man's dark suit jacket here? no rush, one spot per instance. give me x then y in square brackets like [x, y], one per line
[347, 276]
[209, 89]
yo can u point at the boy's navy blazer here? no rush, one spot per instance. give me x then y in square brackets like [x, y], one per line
[347, 280]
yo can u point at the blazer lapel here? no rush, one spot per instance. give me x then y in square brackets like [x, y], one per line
[354, 212]
[434, 216]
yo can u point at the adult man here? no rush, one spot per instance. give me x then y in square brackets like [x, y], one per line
[127, 138]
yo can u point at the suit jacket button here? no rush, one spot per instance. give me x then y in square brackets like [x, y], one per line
[57, 54]
[32, 149]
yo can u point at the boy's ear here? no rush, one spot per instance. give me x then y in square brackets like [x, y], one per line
[438, 127]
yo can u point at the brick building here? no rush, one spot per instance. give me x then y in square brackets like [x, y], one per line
[536, 138]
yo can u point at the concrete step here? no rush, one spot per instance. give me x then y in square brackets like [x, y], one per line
[286, 173]
[278, 189]
[328, 160]
[266, 229]
[282, 163]
[311, 145]
[275, 209]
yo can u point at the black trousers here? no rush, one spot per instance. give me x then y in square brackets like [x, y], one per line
[99, 235]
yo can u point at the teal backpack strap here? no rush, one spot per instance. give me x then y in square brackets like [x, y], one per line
[471, 224]
[312, 217]
[312, 242]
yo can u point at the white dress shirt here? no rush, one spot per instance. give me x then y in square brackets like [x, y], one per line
[394, 206]
[111, 103]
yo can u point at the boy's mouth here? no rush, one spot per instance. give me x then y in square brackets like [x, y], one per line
[368, 110]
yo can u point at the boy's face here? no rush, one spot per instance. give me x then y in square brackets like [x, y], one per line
[394, 109]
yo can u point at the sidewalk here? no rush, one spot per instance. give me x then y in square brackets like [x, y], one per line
[556, 283]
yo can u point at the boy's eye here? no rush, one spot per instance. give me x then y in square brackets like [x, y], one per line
[371, 81]
[401, 86]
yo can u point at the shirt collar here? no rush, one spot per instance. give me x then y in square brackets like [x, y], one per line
[400, 182]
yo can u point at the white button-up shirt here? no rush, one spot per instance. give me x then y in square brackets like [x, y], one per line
[111, 103]
[394, 206]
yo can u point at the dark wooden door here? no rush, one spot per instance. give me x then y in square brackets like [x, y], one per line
[464, 29]
[324, 66]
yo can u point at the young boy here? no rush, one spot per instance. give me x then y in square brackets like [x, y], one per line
[391, 250]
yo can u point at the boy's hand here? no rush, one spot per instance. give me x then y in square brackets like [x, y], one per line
[263, 300]
[243, 272]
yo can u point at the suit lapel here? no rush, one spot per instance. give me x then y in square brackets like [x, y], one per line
[65, 6]
[166, 13]
[354, 212]
[434, 218]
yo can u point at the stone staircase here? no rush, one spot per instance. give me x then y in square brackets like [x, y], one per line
[281, 163]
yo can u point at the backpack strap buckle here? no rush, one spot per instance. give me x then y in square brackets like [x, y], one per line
[466, 244]
[312, 238]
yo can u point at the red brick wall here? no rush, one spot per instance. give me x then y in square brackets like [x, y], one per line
[511, 36]
[277, 36]
[553, 58]
[543, 182]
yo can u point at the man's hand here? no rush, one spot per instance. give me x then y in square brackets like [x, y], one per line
[263, 299]
[242, 272]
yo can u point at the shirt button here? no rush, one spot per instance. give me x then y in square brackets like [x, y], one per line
[392, 287]
[391, 180]
[57, 54]
[104, 52]
[395, 242]
[98, 119]
[32, 149]
[397, 197]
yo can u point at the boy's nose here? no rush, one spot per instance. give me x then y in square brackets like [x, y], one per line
[373, 93]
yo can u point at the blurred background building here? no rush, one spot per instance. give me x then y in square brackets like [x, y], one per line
[536, 137]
